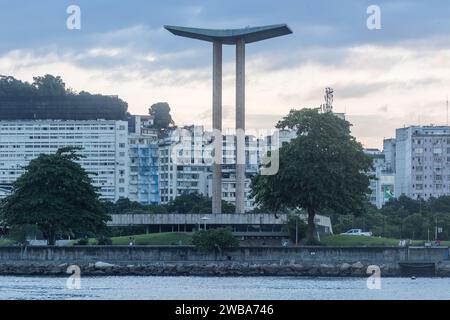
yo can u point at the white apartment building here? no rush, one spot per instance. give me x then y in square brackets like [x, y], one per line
[185, 160]
[104, 147]
[253, 153]
[181, 162]
[422, 161]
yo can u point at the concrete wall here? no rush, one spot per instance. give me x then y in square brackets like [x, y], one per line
[188, 254]
[181, 219]
[195, 218]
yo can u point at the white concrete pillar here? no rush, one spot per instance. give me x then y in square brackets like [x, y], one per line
[240, 126]
[217, 128]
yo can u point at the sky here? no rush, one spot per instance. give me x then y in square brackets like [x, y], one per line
[382, 78]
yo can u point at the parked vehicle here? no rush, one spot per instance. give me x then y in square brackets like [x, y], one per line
[357, 232]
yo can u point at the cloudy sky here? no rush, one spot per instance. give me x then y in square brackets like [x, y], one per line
[383, 79]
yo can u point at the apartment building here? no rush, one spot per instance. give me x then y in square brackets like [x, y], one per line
[183, 162]
[422, 161]
[185, 159]
[104, 149]
[143, 160]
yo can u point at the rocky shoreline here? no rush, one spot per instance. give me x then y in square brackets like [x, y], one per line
[99, 268]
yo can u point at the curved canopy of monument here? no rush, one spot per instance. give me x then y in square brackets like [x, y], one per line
[230, 36]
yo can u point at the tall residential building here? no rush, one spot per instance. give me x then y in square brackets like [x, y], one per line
[143, 162]
[389, 153]
[185, 158]
[181, 164]
[382, 187]
[253, 152]
[104, 149]
[422, 161]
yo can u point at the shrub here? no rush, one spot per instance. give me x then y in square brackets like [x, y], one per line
[82, 242]
[214, 239]
[104, 241]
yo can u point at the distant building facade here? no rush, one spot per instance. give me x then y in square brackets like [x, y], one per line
[182, 167]
[422, 161]
[185, 158]
[143, 161]
[104, 146]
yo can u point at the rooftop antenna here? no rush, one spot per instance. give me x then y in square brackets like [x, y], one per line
[447, 109]
[328, 105]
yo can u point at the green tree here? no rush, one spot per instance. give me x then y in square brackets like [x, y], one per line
[412, 227]
[214, 239]
[161, 114]
[49, 85]
[324, 167]
[441, 204]
[11, 87]
[192, 202]
[21, 233]
[296, 227]
[55, 193]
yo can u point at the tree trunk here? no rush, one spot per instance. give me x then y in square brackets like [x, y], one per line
[311, 226]
[51, 237]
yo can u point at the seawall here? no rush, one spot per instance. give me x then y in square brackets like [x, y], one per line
[186, 260]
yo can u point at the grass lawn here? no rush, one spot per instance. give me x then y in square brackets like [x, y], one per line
[346, 240]
[166, 238]
[6, 242]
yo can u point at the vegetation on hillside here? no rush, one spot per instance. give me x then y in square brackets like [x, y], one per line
[48, 98]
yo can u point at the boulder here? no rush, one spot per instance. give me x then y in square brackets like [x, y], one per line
[271, 269]
[344, 267]
[358, 265]
[103, 265]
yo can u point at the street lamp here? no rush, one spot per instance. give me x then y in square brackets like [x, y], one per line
[204, 218]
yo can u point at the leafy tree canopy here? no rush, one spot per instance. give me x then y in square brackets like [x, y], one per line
[55, 194]
[48, 98]
[184, 203]
[161, 113]
[196, 203]
[324, 167]
[49, 85]
[214, 239]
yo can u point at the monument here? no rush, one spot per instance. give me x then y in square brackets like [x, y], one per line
[238, 37]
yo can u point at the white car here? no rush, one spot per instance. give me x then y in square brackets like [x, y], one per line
[357, 232]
